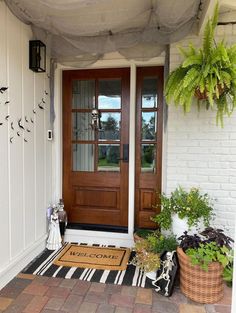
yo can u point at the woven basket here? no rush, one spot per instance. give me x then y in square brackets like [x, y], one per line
[199, 285]
[203, 95]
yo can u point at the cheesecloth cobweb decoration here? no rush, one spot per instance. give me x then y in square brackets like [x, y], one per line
[79, 32]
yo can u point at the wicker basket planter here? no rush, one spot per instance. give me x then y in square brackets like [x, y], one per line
[197, 284]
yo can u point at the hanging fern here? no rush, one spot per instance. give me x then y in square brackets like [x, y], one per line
[208, 73]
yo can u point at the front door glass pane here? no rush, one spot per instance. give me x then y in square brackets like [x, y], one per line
[83, 157]
[110, 126]
[83, 94]
[148, 125]
[149, 92]
[148, 158]
[108, 157]
[109, 94]
[82, 126]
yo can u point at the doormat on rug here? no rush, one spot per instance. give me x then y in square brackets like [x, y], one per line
[102, 258]
[44, 265]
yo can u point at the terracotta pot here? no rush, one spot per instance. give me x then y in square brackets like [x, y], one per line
[199, 285]
[137, 238]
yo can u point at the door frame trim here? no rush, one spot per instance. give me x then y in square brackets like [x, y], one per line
[96, 236]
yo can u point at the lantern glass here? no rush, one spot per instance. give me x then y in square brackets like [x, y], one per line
[37, 56]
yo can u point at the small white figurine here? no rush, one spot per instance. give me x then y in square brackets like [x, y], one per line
[54, 237]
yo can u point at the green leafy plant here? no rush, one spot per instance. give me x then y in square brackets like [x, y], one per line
[228, 274]
[162, 243]
[211, 245]
[207, 74]
[207, 253]
[191, 205]
[143, 233]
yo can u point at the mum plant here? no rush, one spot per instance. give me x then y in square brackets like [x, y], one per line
[192, 205]
[207, 74]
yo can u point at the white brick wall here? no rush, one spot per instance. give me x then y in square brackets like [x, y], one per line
[199, 153]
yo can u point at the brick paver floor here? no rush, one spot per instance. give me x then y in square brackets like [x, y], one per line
[34, 294]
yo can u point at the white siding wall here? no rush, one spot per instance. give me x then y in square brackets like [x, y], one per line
[199, 153]
[25, 167]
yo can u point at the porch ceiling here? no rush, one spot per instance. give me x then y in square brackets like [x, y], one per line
[84, 30]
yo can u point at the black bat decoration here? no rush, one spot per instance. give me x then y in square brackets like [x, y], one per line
[3, 89]
[1, 124]
[46, 93]
[7, 102]
[28, 130]
[7, 117]
[11, 139]
[12, 127]
[26, 119]
[19, 124]
[25, 140]
[43, 100]
[40, 106]
[18, 134]
[34, 111]
[32, 120]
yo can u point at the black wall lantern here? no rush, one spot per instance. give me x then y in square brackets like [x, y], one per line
[37, 56]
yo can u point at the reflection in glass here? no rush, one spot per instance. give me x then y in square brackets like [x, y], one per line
[108, 158]
[110, 126]
[148, 158]
[109, 94]
[149, 92]
[83, 157]
[83, 94]
[148, 125]
[82, 126]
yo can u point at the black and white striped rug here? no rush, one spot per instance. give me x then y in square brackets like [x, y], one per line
[43, 265]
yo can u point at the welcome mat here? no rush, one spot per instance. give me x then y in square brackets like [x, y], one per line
[103, 258]
[43, 265]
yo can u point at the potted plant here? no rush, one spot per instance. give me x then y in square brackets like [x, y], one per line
[202, 261]
[145, 259]
[142, 233]
[149, 250]
[207, 74]
[184, 210]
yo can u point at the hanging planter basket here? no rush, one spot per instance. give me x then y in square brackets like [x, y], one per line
[199, 285]
[203, 95]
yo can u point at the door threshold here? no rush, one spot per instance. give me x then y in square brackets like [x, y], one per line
[99, 237]
[100, 228]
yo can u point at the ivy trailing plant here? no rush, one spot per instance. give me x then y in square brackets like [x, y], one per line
[193, 205]
[228, 273]
[207, 74]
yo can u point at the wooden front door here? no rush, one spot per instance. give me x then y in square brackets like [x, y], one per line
[149, 108]
[95, 146]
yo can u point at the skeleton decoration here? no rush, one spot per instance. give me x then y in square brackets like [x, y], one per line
[96, 119]
[164, 282]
